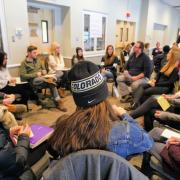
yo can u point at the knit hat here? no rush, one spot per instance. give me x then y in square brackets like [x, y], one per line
[87, 84]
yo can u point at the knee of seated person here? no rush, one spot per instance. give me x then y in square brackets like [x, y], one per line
[120, 78]
[135, 85]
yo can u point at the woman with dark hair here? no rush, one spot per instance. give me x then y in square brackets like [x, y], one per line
[8, 84]
[96, 124]
[78, 57]
[109, 64]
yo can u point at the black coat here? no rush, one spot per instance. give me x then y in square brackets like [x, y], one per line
[13, 158]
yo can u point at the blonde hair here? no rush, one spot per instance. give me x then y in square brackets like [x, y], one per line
[54, 45]
[173, 57]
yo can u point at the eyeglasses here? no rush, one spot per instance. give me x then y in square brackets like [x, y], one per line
[137, 47]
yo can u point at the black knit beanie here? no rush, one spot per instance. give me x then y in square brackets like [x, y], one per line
[87, 84]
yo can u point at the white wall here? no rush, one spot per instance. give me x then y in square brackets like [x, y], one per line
[162, 14]
[73, 32]
[71, 24]
[16, 17]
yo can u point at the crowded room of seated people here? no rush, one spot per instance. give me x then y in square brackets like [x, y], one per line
[90, 90]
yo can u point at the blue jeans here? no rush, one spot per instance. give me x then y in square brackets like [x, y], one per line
[39, 82]
[107, 74]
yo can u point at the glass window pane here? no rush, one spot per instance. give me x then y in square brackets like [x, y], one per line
[88, 41]
[101, 40]
[44, 25]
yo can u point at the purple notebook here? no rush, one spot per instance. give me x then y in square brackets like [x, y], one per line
[40, 134]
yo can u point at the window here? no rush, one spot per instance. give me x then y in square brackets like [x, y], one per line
[94, 31]
[44, 25]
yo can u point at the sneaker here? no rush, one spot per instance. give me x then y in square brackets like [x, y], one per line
[60, 106]
[62, 92]
[131, 107]
[126, 99]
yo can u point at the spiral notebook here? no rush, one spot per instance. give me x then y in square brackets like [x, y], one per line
[40, 133]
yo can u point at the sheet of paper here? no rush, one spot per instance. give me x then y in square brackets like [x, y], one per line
[163, 103]
[167, 133]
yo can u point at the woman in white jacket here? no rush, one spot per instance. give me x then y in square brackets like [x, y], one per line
[56, 65]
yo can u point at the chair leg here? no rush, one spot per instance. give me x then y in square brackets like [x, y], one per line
[145, 167]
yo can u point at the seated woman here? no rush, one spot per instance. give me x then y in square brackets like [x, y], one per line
[56, 66]
[166, 152]
[13, 158]
[164, 83]
[8, 84]
[96, 124]
[109, 64]
[149, 110]
[78, 57]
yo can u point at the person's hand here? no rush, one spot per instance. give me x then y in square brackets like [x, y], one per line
[103, 70]
[133, 78]
[172, 140]
[15, 130]
[39, 74]
[152, 82]
[168, 97]
[9, 98]
[119, 111]
[158, 114]
[12, 82]
[25, 130]
[44, 72]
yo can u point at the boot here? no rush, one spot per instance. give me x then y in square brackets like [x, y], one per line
[60, 106]
[62, 92]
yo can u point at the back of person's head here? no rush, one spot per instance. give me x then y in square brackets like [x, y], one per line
[31, 48]
[2, 57]
[178, 40]
[88, 127]
[173, 57]
[146, 45]
[166, 49]
[127, 47]
[132, 44]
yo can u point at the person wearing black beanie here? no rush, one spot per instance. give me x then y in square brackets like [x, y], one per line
[96, 124]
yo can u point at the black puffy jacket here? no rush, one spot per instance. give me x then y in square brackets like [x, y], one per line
[13, 158]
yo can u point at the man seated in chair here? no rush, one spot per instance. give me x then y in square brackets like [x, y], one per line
[33, 71]
[138, 70]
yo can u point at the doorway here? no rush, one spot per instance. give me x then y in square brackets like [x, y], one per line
[125, 32]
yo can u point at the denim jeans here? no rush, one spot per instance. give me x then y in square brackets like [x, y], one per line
[40, 83]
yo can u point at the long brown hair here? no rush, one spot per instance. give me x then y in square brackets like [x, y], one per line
[86, 128]
[172, 57]
[109, 59]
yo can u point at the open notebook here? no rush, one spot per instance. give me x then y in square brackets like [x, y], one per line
[40, 134]
[168, 133]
